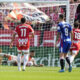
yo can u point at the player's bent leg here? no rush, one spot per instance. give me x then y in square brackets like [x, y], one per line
[68, 61]
[70, 68]
[74, 53]
[66, 65]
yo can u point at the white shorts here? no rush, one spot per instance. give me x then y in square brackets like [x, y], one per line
[24, 51]
[74, 51]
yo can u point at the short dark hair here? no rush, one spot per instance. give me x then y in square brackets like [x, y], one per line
[76, 24]
[32, 51]
[23, 20]
[61, 16]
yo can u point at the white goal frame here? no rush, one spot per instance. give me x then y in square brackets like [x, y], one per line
[60, 2]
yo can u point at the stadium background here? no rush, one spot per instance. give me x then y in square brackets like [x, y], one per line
[43, 42]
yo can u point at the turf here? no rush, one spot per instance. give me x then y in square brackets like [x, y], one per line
[38, 73]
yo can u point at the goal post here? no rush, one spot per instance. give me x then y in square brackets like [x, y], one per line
[46, 52]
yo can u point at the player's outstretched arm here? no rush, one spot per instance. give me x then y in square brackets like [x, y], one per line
[36, 65]
[13, 38]
[40, 65]
[57, 38]
[31, 32]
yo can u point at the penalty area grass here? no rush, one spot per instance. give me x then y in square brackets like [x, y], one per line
[38, 73]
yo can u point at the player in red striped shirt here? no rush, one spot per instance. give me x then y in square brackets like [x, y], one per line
[75, 47]
[24, 32]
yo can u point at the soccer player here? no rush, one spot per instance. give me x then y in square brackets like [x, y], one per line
[75, 47]
[31, 61]
[64, 30]
[24, 32]
[12, 59]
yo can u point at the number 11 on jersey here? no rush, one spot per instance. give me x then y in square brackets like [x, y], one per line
[23, 32]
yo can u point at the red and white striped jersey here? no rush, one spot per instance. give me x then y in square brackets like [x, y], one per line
[76, 35]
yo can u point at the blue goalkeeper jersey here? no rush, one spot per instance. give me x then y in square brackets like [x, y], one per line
[65, 29]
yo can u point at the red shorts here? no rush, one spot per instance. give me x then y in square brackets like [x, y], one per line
[75, 47]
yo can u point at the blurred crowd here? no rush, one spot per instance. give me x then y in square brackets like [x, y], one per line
[3, 14]
[77, 15]
[74, 1]
[52, 12]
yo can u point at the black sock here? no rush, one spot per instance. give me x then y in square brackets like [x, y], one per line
[62, 63]
[68, 60]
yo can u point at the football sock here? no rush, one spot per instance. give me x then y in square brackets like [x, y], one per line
[71, 59]
[62, 63]
[68, 60]
[19, 61]
[25, 60]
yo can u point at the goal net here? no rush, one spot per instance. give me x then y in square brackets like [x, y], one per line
[43, 17]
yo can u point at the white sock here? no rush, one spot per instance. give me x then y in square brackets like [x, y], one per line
[25, 60]
[19, 61]
[71, 59]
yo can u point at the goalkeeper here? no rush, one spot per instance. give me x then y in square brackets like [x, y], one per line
[12, 59]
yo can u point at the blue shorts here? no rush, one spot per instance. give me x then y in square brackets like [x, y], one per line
[64, 46]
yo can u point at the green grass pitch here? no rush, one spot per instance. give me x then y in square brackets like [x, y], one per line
[38, 73]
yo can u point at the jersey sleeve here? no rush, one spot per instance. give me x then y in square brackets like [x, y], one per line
[59, 28]
[31, 29]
